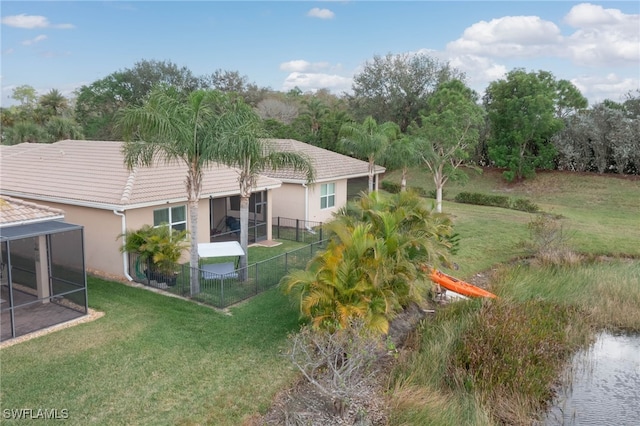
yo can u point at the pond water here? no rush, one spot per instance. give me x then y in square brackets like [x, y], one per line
[602, 386]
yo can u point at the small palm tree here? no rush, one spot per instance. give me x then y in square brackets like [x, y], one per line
[339, 285]
[161, 246]
[374, 263]
[368, 141]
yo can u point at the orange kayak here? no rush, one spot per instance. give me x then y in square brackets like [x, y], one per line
[457, 286]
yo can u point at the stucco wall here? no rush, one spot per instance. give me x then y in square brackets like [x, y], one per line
[289, 199]
[324, 215]
[102, 228]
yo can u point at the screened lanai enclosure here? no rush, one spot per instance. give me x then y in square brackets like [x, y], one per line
[225, 218]
[43, 279]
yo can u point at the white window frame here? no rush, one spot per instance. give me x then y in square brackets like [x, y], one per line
[327, 196]
[172, 224]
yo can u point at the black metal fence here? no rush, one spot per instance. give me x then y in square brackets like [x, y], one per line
[302, 231]
[223, 290]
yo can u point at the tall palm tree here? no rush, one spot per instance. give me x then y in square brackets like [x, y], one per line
[244, 147]
[368, 141]
[174, 127]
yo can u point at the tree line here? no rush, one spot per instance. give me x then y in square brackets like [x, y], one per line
[403, 110]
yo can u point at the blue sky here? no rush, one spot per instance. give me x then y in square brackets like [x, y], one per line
[320, 44]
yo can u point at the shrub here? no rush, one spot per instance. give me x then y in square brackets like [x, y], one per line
[525, 205]
[521, 204]
[161, 245]
[420, 191]
[483, 199]
[338, 362]
[549, 243]
[389, 186]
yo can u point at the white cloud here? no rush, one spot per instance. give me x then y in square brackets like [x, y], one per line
[590, 15]
[300, 65]
[314, 81]
[31, 22]
[316, 12]
[603, 36]
[7, 51]
[35, 40]
[478, 69]
[611, 86]
[508, 36]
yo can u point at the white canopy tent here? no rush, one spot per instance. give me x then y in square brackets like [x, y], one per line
[227, 248]
[223, 249]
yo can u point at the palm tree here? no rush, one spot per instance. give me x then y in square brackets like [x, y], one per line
[23, 131]
[401, 154]
[368, 141]
[184, 128]
[341, 285]
[314, 113]
[59, 128]
[54, 101]
[244, 148]
[374, 264]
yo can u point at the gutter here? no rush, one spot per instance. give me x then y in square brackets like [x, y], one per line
[125, 255]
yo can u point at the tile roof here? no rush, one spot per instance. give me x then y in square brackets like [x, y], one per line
[14, 211]
[92, 173]
[328, 165]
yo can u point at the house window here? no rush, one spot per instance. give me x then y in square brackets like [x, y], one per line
[176, 217]
[327, 195]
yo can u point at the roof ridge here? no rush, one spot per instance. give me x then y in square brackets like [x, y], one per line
[128, 187]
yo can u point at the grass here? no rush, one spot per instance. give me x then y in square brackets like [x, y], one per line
[155, 360]
[495, 362]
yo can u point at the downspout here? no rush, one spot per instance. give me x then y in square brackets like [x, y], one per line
[125, 255]
[306, 209]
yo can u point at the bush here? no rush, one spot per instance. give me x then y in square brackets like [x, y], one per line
[420, 191]
[389, 186]
[549, 243]
[162, 246]
[521, 204]
[337, 363]
[483, 199]
[525, 205]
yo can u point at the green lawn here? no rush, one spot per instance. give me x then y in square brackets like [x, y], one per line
[155, 360]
